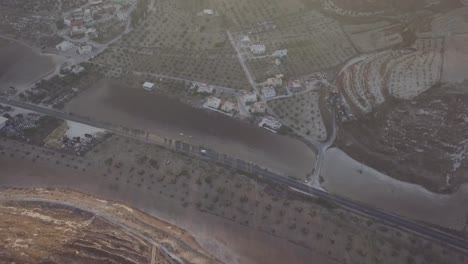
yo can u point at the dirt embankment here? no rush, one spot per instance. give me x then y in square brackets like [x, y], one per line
[421, 141]
[61, 226]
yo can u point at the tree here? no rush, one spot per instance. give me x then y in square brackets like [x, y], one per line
[59, 24]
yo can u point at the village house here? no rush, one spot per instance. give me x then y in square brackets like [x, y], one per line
[228, 107]
[205, 89]
[257, 49]
[245, 41]
[258, 108]
[3, 121]
[122, 15]
[91, 33]
[77, 31]
[268, 92]
[149, 86]
[270, 123]
[212, 102]
[275, 81]
[65, 45]
[77, 69]
[250, 98]
[86, 49]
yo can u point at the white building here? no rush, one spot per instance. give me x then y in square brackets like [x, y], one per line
[270, 123]
[64, 46]
[205, 89]
[250, 98]
[257, 49]
[148, 86]
[3, 121]
[228, 107]
[212, 102]
[86, 49]
[280, 53]
[268, 92]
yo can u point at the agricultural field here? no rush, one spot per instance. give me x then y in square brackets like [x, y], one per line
[182, 44]
[371, 8]
[201, 191]
[375, 36]
[302, 113]
[367, 81]
[314, 42]
[246, 13]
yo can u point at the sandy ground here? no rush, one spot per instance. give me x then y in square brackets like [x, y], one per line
[169, 118]
[455, 67]
[228, 240]
[20, 66]
[343, 176]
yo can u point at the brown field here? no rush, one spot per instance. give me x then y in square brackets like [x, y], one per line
[20, 66]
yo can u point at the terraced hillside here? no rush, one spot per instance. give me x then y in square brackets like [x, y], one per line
[423, 140]
[369, 80]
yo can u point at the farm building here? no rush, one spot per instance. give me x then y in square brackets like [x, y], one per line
[148, 86]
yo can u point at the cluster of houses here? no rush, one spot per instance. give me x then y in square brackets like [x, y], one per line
[225, 106]
[80, 22]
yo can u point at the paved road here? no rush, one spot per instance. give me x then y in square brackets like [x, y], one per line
[237, 164]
